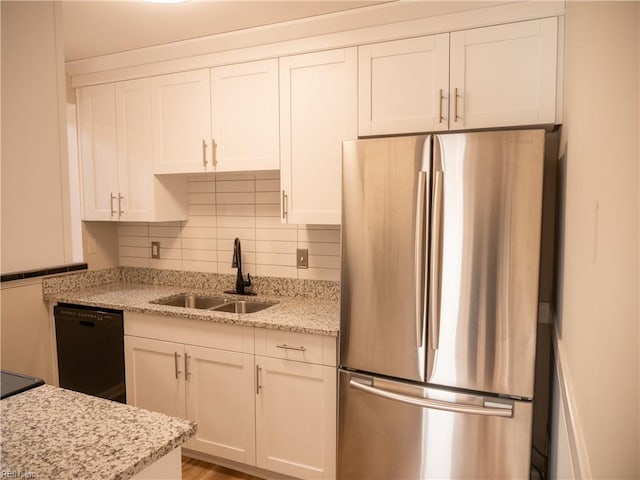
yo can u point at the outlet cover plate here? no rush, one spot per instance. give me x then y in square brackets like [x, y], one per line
[302, 258]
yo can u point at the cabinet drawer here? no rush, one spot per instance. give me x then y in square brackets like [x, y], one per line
[302, 347]
[201, 333]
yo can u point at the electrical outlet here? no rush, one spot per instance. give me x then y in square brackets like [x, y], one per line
[302, 258]
[155, 249]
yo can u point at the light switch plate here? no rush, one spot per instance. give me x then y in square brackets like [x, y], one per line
[302, 258]
[155, 249]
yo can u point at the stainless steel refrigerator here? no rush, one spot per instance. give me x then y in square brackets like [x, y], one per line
[440, 263]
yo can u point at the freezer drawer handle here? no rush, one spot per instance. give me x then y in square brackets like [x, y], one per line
[506, 411]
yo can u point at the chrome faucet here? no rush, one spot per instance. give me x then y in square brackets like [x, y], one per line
[236, 262]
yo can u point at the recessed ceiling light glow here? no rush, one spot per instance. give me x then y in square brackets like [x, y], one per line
[166, 1]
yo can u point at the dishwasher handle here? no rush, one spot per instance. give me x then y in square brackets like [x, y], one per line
[495, 410]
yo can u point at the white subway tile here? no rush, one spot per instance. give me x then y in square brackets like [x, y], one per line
[320, 274]
[236, 222]
[164, 231]
[226, 245]
[138, 252]
[235, 210]
[166, 264]
[170, 254]
[318, 248]
[276, 234]
[273, 222]
[133, 262]
[265, 246]
[268, 175]
[313, 235]
[324, 261]
[268, 185]
[199, 232]
[242, 233]
[127, 241]
[201, 198]
[201, 221]
[201, 177]
[166, 242]
[197, 266]
[272, 198]
[268, 210]
[230, 176]
[281, 259]
[201, 255]
[195, 210]
[244, 198]
[277, 271]
[201, 187]
[134, 230]
[225, 267]
[235, 186]
[200, 244]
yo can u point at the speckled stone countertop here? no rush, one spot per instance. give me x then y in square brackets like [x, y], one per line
[50, 432]
[306, 315]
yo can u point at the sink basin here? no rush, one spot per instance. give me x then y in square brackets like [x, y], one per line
[208, 302]
[191, 301]
[242, 307]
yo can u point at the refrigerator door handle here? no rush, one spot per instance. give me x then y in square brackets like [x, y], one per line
[419, 256]
[495, 410]
[436, 261]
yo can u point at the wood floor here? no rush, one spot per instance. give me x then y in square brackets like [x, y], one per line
[193, 469]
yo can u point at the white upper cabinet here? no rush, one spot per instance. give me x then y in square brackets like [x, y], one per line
[496, 76]
[244, 111]
[181, 122]
[504, 75]
[403, 85]
[116, 157]
[318, 110]
[98, 150]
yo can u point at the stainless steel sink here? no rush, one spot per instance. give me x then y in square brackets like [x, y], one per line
[191, 301]
[208, 302]
[242, 306]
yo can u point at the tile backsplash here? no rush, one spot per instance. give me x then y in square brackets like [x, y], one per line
[221, 208]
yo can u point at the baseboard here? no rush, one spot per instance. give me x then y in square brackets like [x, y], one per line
[240, 467]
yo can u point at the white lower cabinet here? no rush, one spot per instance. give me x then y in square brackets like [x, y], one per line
[295, 418]
[264, 398]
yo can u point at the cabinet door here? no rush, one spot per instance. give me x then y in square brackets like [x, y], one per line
[504, 75]
[220, 386]
[135, 164]
[155, 375]
[181, 122]
[244, 111]
[318, 110]
[97, 144]
[403, 85]
[296, 418]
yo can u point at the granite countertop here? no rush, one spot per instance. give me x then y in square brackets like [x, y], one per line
[50, 432]
[306, 315]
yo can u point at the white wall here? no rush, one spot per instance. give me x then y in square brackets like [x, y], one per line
[598, 400]
[34, 208]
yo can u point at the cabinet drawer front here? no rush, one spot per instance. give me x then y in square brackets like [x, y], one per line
[302, 347]
[201, 333]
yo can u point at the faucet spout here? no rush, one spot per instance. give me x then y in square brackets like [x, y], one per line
[236, 262]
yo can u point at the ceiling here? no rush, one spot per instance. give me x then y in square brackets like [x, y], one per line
[93, 28]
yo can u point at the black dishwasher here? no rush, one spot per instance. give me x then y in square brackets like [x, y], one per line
[90, 344]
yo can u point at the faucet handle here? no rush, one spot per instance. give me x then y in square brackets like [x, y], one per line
[248, 282]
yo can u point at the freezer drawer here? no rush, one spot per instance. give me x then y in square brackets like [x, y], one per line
[384, 432]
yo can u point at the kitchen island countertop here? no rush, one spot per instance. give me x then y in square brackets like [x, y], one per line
[50, 432]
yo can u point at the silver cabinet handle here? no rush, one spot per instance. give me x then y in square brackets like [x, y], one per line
[258, 386]
[176, 357]
[455, 105]
[214, 147]
[440, 101]
[111, 199]
[506, 411]
[204, 154]
[187, 373]
[120, 198]
[289, 347]
[419, 250]
[284, 204]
